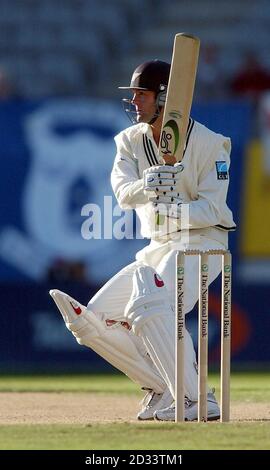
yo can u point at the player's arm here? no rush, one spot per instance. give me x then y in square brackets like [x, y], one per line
[212, 152]
[127, 185]
[208, 209]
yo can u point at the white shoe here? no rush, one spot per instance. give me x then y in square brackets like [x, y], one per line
[152, 402]
[191, 410]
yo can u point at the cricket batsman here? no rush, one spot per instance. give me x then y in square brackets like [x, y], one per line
[130, 320]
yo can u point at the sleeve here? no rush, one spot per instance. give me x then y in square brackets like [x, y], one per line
[125, 180]
[213, 182]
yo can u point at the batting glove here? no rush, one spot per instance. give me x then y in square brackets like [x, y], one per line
[161, 178]
[169, 197]
[168, 204]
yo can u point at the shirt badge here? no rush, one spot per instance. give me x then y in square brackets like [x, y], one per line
[222, 170]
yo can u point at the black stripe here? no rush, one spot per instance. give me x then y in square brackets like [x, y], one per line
[228, 229]
[151, 154]
[146, 148]
[221, 227]
[189, 130]
[152, 151]
[146, 151]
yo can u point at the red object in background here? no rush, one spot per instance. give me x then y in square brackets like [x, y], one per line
[241, 327]
[252, 79]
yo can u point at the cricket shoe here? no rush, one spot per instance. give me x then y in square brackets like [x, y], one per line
[191, 410]
[153, 402]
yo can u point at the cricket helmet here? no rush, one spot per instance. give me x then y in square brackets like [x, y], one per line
[152, 75]
[149, 76]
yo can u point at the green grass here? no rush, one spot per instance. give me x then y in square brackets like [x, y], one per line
[137, 436]
[94, 383]
[245, 387]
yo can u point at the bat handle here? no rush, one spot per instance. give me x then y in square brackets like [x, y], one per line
[169, 159]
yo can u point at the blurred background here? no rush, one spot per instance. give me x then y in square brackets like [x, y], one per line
[60, 65]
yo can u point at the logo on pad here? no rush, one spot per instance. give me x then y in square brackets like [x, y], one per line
[158, 281]
[77, 309]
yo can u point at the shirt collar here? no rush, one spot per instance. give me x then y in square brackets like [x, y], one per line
[147, 129]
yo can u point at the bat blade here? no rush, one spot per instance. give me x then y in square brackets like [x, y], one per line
[179, 97]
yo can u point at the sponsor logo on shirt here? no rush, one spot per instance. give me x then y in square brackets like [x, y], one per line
[222, 170]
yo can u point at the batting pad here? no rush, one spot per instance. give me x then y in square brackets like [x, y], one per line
[160, 344]
[149, 298]
[152, 318]
[114, 343]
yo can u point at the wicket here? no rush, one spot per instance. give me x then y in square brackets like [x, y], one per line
[203, 334]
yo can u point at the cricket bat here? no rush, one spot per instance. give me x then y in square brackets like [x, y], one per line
[179, 98]
[178, 101]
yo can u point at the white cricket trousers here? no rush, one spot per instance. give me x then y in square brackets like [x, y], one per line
[110, 301]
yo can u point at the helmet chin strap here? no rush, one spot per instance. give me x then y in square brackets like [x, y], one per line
[156, 115]
[160, 103]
